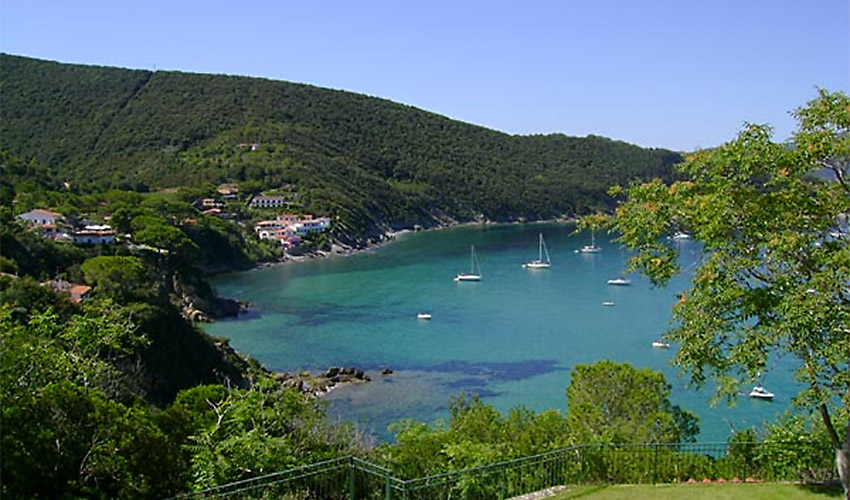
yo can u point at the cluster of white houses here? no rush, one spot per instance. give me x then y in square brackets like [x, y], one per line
[288, 229]
[53, 225]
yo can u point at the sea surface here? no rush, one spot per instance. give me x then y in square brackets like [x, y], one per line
[511, 338]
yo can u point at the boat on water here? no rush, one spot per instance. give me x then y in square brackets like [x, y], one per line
[760, 393]
[619, 281]
[423, 316]
[660, 344]
[607, 303]
[474, 273]
[592, 248]
[540, 263]
[680, 236]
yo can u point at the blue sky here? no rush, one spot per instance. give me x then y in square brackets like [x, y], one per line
[677, 74]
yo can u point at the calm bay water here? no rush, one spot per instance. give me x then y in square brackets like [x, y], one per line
[512, 338]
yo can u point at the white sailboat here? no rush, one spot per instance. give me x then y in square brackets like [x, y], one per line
[619, 281]
[540, 263]
[592, 248]
[474, 273]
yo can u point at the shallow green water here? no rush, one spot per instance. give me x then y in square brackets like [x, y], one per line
[512, 337]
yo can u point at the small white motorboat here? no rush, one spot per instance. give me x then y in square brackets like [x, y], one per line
[423, 316]
[619, 282]
[761, 393]
[607, 303]
[660, 344]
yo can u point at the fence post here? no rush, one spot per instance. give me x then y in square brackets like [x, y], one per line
[388, 491]
[504, 484]
[655, 465]
[351, 464]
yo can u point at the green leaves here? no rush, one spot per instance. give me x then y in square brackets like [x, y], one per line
[120, 277]
[616, 403]
[476, 434]
[63, 434]
[236, 434]
[775, 279]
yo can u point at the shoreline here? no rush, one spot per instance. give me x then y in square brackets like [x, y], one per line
[385, 238]
[390, 237]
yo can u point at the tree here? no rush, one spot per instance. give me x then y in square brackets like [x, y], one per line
[64, 433]
[236, 434]
[475, 434]
[775, 277]
[120, 277]
[616, 403]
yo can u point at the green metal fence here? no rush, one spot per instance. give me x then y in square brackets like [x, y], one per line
[352, 478]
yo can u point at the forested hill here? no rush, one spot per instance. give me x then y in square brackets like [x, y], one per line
[371, 162]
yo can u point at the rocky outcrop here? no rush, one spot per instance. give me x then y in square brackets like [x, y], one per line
[198, 302]
[324, 382]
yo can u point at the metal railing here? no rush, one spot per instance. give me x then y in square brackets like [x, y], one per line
[352, 478]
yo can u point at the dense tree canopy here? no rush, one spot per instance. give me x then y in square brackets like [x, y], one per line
[615, 402]
[367, 162]
[775, 277]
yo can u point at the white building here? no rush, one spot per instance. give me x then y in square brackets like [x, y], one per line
[42, 217]
[268, 201]
[95, 235]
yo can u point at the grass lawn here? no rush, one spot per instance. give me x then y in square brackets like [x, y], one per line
[761, 491]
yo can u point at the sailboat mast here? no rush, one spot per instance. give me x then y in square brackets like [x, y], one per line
[540, 249]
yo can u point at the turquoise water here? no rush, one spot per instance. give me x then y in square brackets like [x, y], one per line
[512, 338]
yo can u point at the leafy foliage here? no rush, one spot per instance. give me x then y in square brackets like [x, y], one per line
[63, 432]
[122, 277]
[476, 434]
[774, 280]
[236, 434]
[74, 425]
[616, 403]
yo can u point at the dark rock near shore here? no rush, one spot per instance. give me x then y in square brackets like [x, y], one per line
[324, 382]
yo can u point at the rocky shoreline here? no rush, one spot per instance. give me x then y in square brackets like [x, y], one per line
[323, 383]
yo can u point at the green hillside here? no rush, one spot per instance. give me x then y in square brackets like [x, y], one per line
[373, 163]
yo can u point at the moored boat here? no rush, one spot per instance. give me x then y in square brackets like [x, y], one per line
[474, 273]
[760, 393]
[540, 263]
[592, 248]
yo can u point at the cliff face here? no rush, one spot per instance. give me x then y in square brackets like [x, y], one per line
[181, 356]
[198, 302]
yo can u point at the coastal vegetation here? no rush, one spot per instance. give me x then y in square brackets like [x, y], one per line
[368, 163]
[116, 393]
